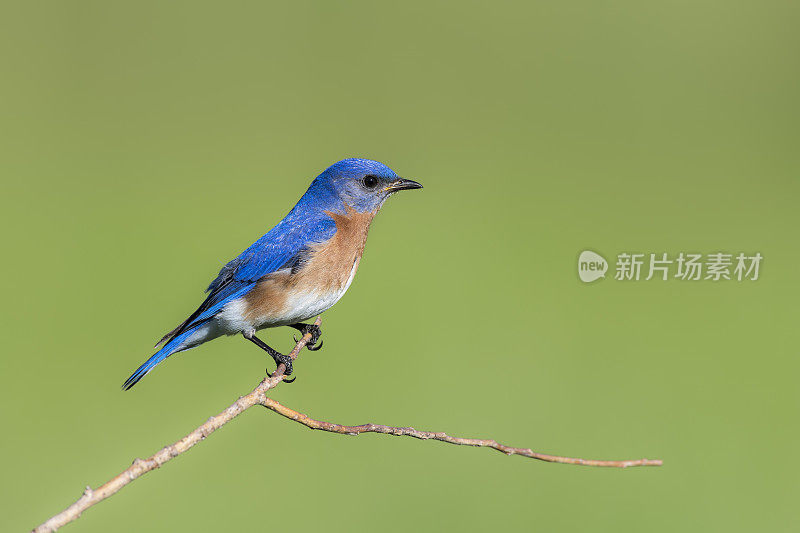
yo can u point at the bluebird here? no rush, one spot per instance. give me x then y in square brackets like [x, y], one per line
[294, 272]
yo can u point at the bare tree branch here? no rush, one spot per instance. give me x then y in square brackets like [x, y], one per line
[291, 414]
[142, 466]
[258, 397]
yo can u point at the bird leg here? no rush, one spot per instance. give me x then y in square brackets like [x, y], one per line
[276, 355]
[316, 333]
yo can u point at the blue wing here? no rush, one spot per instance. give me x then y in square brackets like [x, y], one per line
[282, 247]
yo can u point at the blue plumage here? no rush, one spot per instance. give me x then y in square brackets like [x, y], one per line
[279, 247]
[349, 186]
[168, 349]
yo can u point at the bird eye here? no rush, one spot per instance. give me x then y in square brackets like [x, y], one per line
[370, 181]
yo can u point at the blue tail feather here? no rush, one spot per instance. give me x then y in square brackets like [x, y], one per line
[173, 346]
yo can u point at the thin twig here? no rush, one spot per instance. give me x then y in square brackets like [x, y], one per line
[258, 397]
[142, 466]
[291, 414]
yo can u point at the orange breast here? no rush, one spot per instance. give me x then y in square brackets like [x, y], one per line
[284, 297]
[331, 262]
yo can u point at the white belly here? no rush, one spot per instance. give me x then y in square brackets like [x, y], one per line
[303, 305]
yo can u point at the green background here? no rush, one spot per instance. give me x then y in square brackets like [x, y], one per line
[143, 144]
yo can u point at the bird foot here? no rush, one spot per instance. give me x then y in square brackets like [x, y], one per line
[275, 354]
[314, 330]
[287, 362]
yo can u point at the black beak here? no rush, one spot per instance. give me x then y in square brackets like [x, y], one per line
[402, 184]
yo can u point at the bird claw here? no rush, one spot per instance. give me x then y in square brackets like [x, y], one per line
[315, 332]
[279, 359]
[287, 362]
[314, 347]
[285, 379]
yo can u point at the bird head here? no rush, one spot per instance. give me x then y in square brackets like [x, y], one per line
[361, 184]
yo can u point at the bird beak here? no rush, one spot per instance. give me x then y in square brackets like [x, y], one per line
[402, 184]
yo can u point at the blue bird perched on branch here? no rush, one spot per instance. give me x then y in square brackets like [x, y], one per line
[297, 270]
